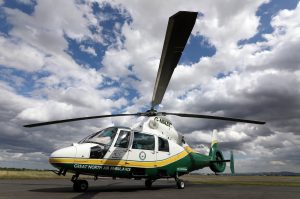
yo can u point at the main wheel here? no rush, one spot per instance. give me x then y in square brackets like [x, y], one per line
[180, 184]
[80, 185]
[148, 183]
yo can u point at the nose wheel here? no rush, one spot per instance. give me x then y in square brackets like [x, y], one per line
[80, 185]
[148, 183]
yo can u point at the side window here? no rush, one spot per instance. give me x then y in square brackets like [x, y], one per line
[163, 144]
[123, 139]
[143, 141]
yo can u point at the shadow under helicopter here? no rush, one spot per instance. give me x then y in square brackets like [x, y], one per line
[116, 187]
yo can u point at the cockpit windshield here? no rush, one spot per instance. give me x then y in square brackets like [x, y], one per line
[104, 137]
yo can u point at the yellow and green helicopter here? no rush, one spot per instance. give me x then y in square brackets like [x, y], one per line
[149, 150]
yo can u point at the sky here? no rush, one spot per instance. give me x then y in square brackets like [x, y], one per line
[64, 59]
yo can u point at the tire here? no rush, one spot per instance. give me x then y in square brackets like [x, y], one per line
[75, 186]
[180, 184]
[80, 186]
[148, 183]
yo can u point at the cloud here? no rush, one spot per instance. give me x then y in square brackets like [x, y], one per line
[37, 46]
[34, 160]
[17, 111]
[17, 54]
[144, 38]
[88, 50]
[116, 63]
[27, 2]
[277, 163]
[13, 137]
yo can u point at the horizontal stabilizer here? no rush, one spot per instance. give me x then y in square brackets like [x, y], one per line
[219, 161]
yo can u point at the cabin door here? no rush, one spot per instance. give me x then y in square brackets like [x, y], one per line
[120, 147]
[142, 153]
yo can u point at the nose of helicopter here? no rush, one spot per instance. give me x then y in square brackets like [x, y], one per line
[67, 152]
[59, 155]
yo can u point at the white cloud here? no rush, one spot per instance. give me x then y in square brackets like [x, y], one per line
[144, 37]
[47, 27]
[27, 2]
[88, 50]
[116, 63]
[234, 21]
[277, 163]
[35, 160]
[17, 54]
[11, 102]
[43, 36]
[46, 111]
[37, 42]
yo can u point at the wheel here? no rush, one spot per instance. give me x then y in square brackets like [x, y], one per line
[180, 184]
[80, 185]
[75, 186]
[148, 183]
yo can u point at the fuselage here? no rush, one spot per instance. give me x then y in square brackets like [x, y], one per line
[148, 150]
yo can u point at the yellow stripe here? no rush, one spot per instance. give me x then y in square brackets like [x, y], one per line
[150, 164]
[190, 150]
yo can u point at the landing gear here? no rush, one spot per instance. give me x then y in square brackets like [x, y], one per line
[79, 185]
[148, 183]
[179, 183]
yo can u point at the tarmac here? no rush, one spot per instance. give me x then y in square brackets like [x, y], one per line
[131, 189]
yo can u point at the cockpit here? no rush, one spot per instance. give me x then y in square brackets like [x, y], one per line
[112, 142]
[104, 137]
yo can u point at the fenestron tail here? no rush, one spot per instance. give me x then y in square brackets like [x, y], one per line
[217, 161]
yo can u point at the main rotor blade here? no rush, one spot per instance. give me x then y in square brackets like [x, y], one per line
[77, 119]
[213, 117]
[178, 31]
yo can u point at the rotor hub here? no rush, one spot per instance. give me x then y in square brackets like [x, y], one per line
[151, 112]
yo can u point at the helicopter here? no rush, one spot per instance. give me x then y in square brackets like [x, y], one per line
[151, 149]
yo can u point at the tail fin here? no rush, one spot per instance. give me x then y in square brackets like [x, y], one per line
[231, 163]
[217, 162]
[214, 139]
[214, 145]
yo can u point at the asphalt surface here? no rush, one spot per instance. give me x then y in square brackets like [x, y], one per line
[62, 188]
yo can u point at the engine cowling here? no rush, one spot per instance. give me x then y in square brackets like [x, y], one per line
[218, 167]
